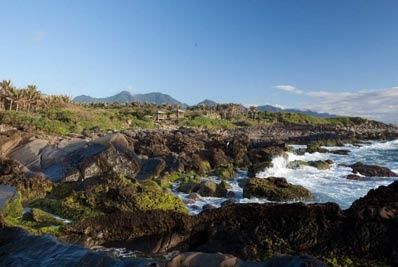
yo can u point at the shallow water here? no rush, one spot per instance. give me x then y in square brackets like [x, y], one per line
[326, 185]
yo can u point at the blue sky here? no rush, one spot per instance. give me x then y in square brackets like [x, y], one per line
[334, 56]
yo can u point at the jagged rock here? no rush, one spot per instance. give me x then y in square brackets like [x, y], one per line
[275, 189]
[319, 164]
[266, 154]
[258, 167]
[151, 168]
[110, 154]
[340, 152]
[29, 154]
[10, 140]
[31, 185]
[354, 177]
[372, 170]
[218, 158]
[18, 248]
[208, 207]
[367, 230]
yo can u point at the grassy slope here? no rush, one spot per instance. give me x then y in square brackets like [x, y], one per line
[76, 119]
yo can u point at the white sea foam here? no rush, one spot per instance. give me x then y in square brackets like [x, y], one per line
[326, 185]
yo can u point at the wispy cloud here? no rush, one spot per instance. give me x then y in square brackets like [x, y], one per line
[375, 104]
[289, 88]
[379, 104]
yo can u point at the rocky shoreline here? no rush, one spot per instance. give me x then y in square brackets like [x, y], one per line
[115, 188]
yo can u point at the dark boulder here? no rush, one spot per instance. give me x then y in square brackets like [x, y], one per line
[372, 170]
[151, 168]
[110, 154]
[31, 185]
[258, 167]
[354, 177]
[274, 189]
[18, 248]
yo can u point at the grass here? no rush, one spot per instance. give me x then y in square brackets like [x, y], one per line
[77, 119]
[207, 123]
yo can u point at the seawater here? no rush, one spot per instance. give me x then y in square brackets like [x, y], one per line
[326, 185]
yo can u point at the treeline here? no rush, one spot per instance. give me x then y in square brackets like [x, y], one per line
[28, 99]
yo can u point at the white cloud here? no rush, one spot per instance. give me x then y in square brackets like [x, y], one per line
[376, 104]
[289, 88]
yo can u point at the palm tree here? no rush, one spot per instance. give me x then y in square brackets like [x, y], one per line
[32, 95]
[19, 98]
[7, 90]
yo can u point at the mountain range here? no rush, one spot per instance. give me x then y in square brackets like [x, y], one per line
[127, 97]
[160, 98]
[270, 108]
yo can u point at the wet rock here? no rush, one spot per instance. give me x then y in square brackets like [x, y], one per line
[248, 231]
[191, 259]
[208, 207]
[319, 164]
[316, 147]
[6, 194]
[275, 189]
[343, 152]
[372, 170]
[211, 189]
[194, 196]
[258, 167]
[225, 172]
[227, 202]
[189, 187]
[151, 168]
[354, 177]
[230, 194]
[207, 188]
[266, 154]
[302, 261]
[18, 248]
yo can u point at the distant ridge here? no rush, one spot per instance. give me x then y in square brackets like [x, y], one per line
[127, 97]
[270, 108]
[207, 103]
[160, 98]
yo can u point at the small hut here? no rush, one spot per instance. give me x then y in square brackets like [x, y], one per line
[180, 113]
[160, 115]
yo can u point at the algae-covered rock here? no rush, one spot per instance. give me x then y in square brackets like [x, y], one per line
[225, 172]
[41, 217]
[316, 147]
[212, 189]
[275, 189]
[30, 185]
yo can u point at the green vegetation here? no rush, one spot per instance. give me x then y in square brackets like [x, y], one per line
[65, 121]
[207, 123]
[108, 195]
[39, 222]
[225, 172]
[345, 261]
[28, 108]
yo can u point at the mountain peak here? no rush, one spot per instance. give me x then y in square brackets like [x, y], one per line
[207, 103]
[127, 97]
